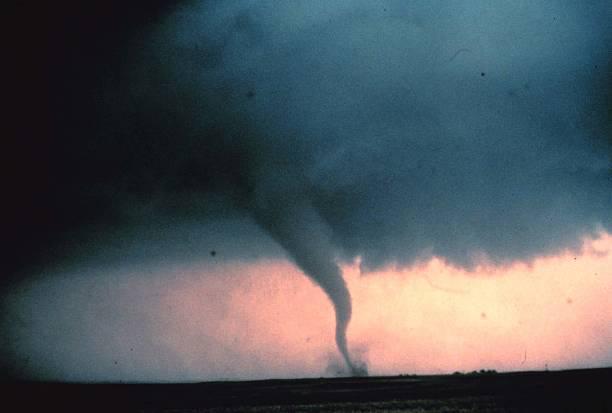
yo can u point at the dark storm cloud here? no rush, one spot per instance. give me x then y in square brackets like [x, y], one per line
[466, 131]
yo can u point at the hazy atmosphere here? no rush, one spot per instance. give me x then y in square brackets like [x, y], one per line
[255, 189]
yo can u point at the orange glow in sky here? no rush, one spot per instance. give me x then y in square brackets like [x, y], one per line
[554, 313]
[262, 319]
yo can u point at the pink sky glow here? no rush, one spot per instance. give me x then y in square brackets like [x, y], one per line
[266, 319]
[431, 319]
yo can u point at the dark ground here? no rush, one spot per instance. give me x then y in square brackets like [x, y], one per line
[563, 391]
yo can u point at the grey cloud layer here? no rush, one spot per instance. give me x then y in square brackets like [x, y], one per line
[462, 130]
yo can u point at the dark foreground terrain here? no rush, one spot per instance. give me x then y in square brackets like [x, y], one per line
[563, 391]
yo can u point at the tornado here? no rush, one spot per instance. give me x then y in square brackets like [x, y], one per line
[297, 227]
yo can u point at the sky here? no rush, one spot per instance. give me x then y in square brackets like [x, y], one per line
[264, 319]
[240, 189]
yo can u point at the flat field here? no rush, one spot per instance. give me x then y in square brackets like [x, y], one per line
[588, 390]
